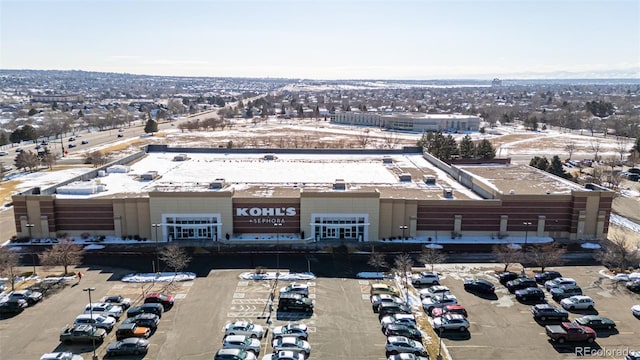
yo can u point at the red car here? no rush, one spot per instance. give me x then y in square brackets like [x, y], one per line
[449, 309]
[157, 298]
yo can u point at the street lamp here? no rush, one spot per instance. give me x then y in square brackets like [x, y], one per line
[403, 228]
[526, 233]
[277, 227]
[155, 228]
[93, 340]
[29, 227]
[439, 357]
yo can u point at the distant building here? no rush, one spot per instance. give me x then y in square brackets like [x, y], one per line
[496, 82]
[417, 122]
[49, 98]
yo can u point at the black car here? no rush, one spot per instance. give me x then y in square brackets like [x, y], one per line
[148, 320]
[410, 332]
[565, 291]
[634, 286]
[294, 302]
[530, 294]
[71, 146]
[128, 346]
[521, 283]
[596, 322]
[393, 308]
[12, 306]
[544, 312]
[546, 276]
[481, 286]
[507, 276]
[156, 309]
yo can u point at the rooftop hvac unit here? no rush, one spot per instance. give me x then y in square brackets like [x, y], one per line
[429, 179]
[405, 177]
[269, 157]
[387, 160]
[150, 175]
[339, 184]
[217, 184]
[180, 157]
[447, 193]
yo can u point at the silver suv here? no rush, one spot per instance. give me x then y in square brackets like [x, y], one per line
[425, 278]
[104, 309]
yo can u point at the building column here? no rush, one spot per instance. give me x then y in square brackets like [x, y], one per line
[412, 226]
[117, 225]
[602, 216]
[44, 227]
[504, 221]
[541, 222]
[582, 216]
[457, 223]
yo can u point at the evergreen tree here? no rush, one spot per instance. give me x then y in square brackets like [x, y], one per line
[283, 111]
[151, 127]
[467, 148]
[485, 150]
[556, 168]
[3, 138]
[539, 163]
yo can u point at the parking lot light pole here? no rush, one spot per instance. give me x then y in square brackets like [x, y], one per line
[439, 357]
[403, 228]
[277, 227]
[155, 228]
[524, 250]
[93, 340]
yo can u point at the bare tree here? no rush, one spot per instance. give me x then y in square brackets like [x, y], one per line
[377, 260]
[432, 257]
[570, 148]
[508, 255]
[618, 253]
[363, 138]
[548, 255]
[48, 160]
[97, 158]
[595, 146]
[8, 262]
[65, 254]
[623, 146]
[402, 265]
[175, 257]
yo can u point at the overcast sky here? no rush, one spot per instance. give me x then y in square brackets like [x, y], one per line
[325, 39]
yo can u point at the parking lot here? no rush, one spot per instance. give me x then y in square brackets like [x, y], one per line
[343, 325]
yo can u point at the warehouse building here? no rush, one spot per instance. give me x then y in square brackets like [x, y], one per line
[415, 122]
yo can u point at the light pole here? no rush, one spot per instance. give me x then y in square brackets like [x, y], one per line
[403, 228]
[93, 340]
[277, 227]
[439, 357]
[524, 250]
[155, 228]
[29, 227]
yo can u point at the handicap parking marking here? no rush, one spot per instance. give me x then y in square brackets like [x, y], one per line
[180, 296]
[249, 301]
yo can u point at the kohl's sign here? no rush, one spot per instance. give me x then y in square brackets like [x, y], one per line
[265, 212]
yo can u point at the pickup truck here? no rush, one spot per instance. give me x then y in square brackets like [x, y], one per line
[567, 331]
[82, 333]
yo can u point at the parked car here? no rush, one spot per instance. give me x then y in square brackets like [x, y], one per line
[19, 150]
[406, 356]
[557, 282]
[450, 322]
[66, 355]
[570, 332]
[12, 306]
[101, 321]
[241, 342]
[127, 330]
[565, 291]
[507, 276]
[632, 355]
[544, 312]
[120, 135]
[578, 302]
[71, 145]
[596, 322]
[82, 333]
[3, 153]
[404, 319]
[376, 300]
[425, 278]
[118, 300]
[104, 309]
[84, 142]
[401, 344]
[530, 294]
[157, 298]
[244, 328]
[147, 320]
[381, 288]
[393, 308]
[152, 308]
[31, 297]
[299, 330]
[634, 286]
[234, 354]
[543, 277]
[438, 301]
[294, 302]
[72, 139]
[434, 290]
[285, 355]
[407, 331]
[521, 283]
[296, 288]
[128, 346]
[635, 310]
[449, 309]
[291, 343]
[480, 286]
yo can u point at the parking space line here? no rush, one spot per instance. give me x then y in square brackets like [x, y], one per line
[626, 333]
[366, 297]
[238, 295]
[243, 283]
[363, 282]
[180, 296]
[467, 346]
[187, 284]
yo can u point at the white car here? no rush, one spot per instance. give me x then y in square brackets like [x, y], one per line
[377, 300]
[299, 330]
[241, 342]
[119, 300]
[433, 291]
[402, 319]
[578, 302]
[450, 322]
[244, 328]
[433, 302]
[285, 355]
[100, 321]
[635, 310]
[104, 309]
[425, 278]
[296, 288]
[557, 282]
[291, 343]
[401, 344]
[61, 356]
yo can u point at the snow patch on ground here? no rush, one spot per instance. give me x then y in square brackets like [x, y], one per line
[624, 222]
[271, 275]
[590, 246]
[93, 247]
[373, 275]
[159, 277]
